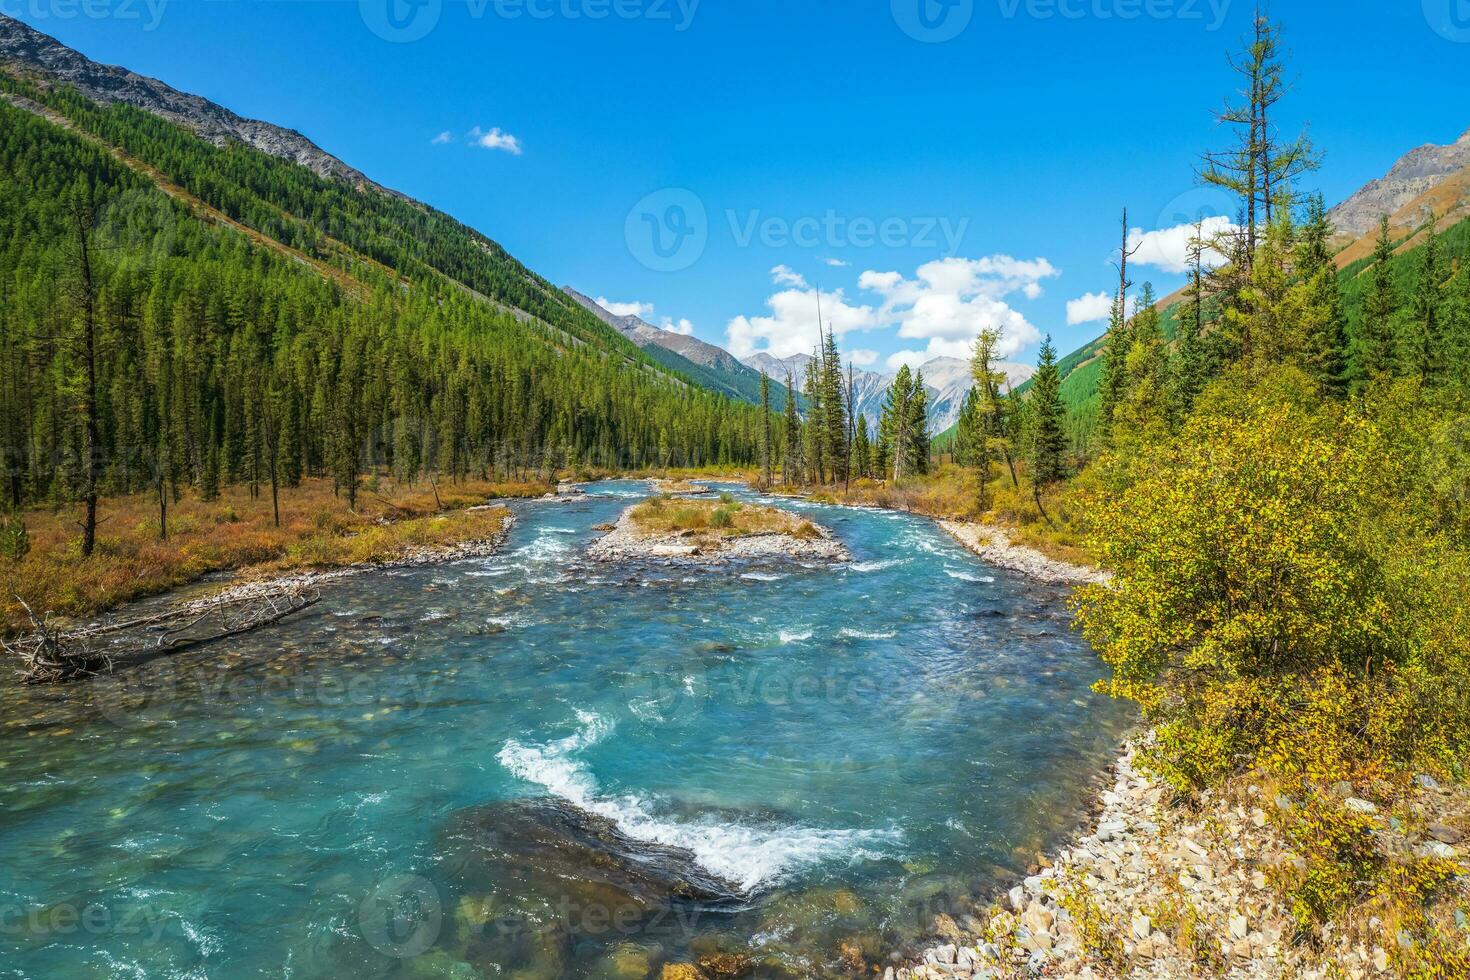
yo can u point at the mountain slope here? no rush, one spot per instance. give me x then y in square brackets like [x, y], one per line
[1411, 177]
[246, 317]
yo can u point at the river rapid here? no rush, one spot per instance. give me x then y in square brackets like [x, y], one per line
[535, 766]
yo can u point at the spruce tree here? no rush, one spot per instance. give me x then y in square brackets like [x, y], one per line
[862, 450]
[919, 426]
[1327, 325]
[766, 440]
[1373, 349]
[791, 458]
[895, 425]
[1047, 417]
[1189, 369]
[1427, 340]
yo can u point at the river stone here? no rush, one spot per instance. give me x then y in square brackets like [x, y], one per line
[1445, 833]
[557, 850]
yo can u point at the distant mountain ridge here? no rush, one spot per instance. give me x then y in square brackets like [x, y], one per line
[24, 47]
[947, 380]
[1412, 176]
[705, 364]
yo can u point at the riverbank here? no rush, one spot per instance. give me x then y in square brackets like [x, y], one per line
[994, 545]
[236, 533]
[1162, 889]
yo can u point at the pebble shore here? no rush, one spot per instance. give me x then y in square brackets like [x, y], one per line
[1176, 891]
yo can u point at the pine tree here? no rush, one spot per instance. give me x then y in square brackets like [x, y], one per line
[982, 370]
[967, 430]
[814, 427]
[1142, 417]
[1117, 342]
[834, 410]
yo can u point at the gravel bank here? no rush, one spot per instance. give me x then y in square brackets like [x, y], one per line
[994, 546]
[625, 542]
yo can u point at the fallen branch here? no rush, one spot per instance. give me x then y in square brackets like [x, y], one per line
[51, 655]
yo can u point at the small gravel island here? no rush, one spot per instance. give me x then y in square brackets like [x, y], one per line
[712, 532]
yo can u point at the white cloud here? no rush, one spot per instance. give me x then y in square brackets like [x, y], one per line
[1089, 308]
[681, 327]
[913, 358]
[862, 357]
[442, 138]
[783, 275]
[949, 301]
[496, 140]
[1168, 248]
[1032, 290]
[835, 263]
[792, 326]
[634, 308]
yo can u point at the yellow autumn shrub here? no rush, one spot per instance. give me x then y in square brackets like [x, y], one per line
[1290, 597]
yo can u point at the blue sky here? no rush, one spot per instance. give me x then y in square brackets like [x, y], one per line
[931, 174]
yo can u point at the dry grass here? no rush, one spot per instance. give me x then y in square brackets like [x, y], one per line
[232, 533]
[707, 521]
[953, 492]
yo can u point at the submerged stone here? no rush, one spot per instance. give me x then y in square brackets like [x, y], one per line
[583, 861]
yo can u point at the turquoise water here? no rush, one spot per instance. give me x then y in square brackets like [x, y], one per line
[849, 750]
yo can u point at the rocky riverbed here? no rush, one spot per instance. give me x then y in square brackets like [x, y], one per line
[1157, 889]
[627, 542]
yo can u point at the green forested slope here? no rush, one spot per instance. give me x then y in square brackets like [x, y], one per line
[145, 341]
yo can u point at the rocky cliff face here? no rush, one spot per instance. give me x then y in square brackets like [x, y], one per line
[41, 58]
[1415, 174]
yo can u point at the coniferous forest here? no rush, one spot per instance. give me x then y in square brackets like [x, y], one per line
[177, 316]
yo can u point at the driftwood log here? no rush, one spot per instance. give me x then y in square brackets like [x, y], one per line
[51, 654]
